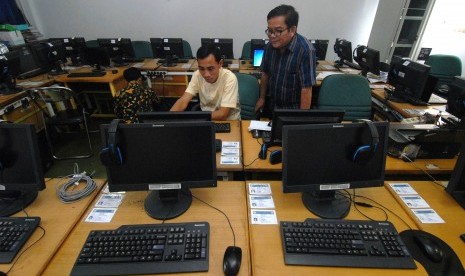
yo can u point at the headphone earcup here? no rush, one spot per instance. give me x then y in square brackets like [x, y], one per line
[111, 156]
[362, 154]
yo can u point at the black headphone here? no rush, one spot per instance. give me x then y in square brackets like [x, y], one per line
[364, 153]
[111, 156]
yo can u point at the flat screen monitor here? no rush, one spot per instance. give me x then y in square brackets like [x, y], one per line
[170, 116]
[456, 100]
[321, 47]
[283, 117]
[73, 47]
[408, 78]
[10, 67]
[95, 57]
[321, 160]
[166, 159]
[169, 49]
[21, 175]
[257, 57]
[368, 59]
[456, 186]
[224, 44]
[50, 55]
[118, 49]
[30, 66]
[257, 44]
[343, 50]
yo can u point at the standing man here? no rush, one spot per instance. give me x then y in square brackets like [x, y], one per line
[217, 87]
[288, 65]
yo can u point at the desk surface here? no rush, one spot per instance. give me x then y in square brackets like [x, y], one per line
[58, 219]
[233, 136]
[152, 64]
[265, 240]
[229, 197]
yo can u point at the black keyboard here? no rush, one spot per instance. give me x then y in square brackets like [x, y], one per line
[145, 249]
[14, 233]
[344, 243]
[174, 60]
[222, 127]
[129, 59]
[87, 74]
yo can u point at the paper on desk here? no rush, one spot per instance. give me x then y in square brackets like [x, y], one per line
[427, 216]
[377, 86]
[349, 71]
[234, 65]
[425, 126]
[259, 189]
[261, 201]
[101, 215]
[402, 189]
[229, 151]
[414, 201]
[260, 125]
[229, 160]
[263, 216]
[186, 66]
[110, 200]
[138, 65]
[328, 67]
[324, 74]
[230, 144]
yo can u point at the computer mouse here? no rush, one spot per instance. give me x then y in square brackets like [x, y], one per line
[232, 260]
[276, 157]
[263, 152]
[256, 133]
[429, 247]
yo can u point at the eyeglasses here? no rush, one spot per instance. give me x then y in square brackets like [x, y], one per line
[276, 33]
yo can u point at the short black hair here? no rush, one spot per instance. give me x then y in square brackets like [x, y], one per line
[292, 16]
[208, 49]
[132, 73]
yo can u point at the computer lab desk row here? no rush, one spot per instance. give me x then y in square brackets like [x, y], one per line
[66, 229]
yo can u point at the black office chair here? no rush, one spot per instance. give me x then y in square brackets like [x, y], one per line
[64, 114]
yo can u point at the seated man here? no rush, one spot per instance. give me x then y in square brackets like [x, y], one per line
[216, 87]
[135, 97]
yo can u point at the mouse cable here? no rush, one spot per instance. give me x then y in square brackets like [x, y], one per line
[424, 171]
[367, 205]
[73, 180]
[224, 214]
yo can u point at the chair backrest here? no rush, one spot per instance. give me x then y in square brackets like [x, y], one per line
[58, 99]
[350, 93]
[246, 50]
[249, 92]
[187, 49]
[142, 49]
[92, 43]
[444, 67]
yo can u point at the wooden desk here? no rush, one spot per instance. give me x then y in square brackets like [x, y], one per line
[152, 64]
[432, 166]
[233, 136]
[228, 197]
[448, 210]
[265, 240]
[58, 219]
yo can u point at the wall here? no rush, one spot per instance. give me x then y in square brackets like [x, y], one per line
[193, 19]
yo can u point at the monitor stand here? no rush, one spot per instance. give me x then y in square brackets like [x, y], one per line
[168, 204]
[12, 202]
[326, 204]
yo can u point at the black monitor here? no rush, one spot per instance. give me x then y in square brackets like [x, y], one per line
[343, 50]
[170, 49]
[409, 80]
[283, 117]
[225, 45]
[166, 159]
[118, 49]
[368, 59]
[30, 66]
[321, 47]
[456, 100]
[21, 175]
[257, 48]
[74, 47]
[170, 116]
[95, 57]
[51, 55]
[319, 160]
[456, 186]
[10, 67]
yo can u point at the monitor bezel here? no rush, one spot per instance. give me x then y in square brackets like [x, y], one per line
[166, 116]
[225, 45]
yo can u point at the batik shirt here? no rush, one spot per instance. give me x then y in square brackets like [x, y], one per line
[132, 99]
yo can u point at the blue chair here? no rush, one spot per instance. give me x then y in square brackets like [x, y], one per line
[350, 93]
[445, 68]
[142, 49]
[249, 92]
[246, 50]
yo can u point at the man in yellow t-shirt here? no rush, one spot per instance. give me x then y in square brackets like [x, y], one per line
[216, 87]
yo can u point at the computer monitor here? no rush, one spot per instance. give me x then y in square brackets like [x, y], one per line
[50, 55]
[73, 47]
[343, 50]
[368, 59]
[225, 45]
[456, 100]
[118, 49]
[95, 57]
[170, 49]
[456, 186]
[21, 175]
[408, 78]
[257, 57]
[10, 67]
[283, 117]
[321, 47]
[166, 159]
[319, 163]
[170, 116]
[29, 64]
[257, 48]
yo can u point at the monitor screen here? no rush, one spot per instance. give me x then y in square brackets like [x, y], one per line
[257, 44]
[170, 116]
[96, 57]
[257, 57]
[343, 49]
[225, 45]
[167, 159]
[282, 117]
[167, 47]
[321, 47]
[408, 78]
[368, 59]
[456, 100]
[318, 162]
[21, 175]
[30, 67]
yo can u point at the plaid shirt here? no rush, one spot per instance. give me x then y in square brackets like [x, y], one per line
[132, 99]
[289, 72]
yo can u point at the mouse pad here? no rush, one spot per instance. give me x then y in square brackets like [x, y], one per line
[450, 264]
